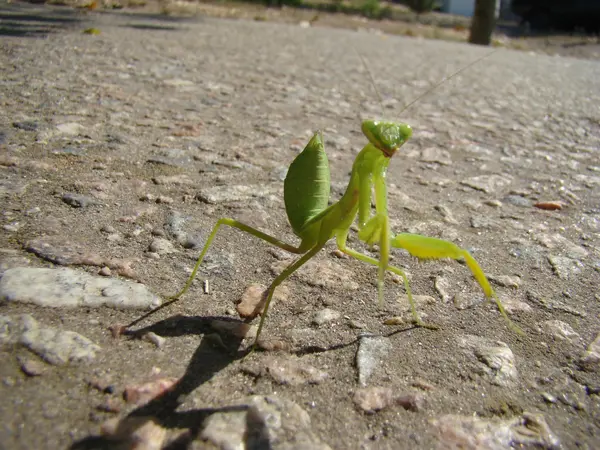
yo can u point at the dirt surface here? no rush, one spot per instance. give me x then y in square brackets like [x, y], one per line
[120, 150]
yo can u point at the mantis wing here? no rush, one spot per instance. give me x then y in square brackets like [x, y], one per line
[307, 185]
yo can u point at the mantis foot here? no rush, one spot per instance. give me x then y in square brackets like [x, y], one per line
[419, 323]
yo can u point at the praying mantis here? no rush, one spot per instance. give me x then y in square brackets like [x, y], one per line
[306, 198]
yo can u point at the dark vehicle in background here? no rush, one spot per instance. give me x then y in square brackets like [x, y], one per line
[559, 14]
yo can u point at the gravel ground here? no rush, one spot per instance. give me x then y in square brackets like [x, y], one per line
[120, 150]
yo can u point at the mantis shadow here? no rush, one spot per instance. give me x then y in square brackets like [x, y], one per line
[206, 361]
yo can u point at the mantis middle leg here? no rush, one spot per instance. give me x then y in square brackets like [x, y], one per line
[341, 243]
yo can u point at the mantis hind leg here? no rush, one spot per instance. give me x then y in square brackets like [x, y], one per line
[424, 247]
[341, 243]
[240, 226]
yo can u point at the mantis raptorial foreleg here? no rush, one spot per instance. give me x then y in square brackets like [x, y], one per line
[425, 247]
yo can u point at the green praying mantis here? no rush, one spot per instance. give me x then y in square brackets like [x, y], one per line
[306, 197]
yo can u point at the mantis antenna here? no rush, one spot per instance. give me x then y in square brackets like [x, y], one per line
[429, 90]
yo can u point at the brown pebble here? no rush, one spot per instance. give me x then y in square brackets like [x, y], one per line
[32, 368]
[236, 329]
[394, 321]
[274, 345]
[140, 394]
[101, 384]
[252, 301]
[549, 206]
[111, 405]
[117, 330]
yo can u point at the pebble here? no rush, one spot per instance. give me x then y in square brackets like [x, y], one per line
[565, 268]
[267, 421]
[31, 367]
[135, 432]
[70, 128]
[233, 328]
[66, 287]
[325, 274]
[78, 200]
[472, 432]
[57, 347]
[65, 252]
[324, 316]
[518, 200]
[373, 399]
[155, 339]
[252, 301]
[140, 394]
[436, 155]
[291, 370]
[506, 280]
[549, 206]
[161, 246]
[236, 193]
[495, 358]
[559, 330]
[26, 125]
[372, 351]
[489, 184]
[591, 358]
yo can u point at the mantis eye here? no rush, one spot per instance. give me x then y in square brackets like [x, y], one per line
[386, 136]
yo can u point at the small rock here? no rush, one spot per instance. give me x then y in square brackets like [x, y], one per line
[373, 399]
[155, 339]
[105, 272]
[73, 288]
[78, 200]
[26, 125]
[371, 351]
[110, 405]
[70, 129]
[32, 367]
[446, 214]
[161, 246]
[488, 183]
[140, 394]
[549, 206]
[135, 432]
[262, 422]
[58, 347]
[506, 280]
[292, 370]
[442, 284]
[233, 328]
[591, 358]
[474, 433]
[562, 244]
[559, 330]
[565, 267]
[437, 155]
[496, 358]
[236, 193]
[325, 316]
[252, 302]
[518, 200]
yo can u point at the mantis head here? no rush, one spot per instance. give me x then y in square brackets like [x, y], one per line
[386, 136]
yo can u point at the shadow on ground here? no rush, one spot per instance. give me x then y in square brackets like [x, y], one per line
[33, 20]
